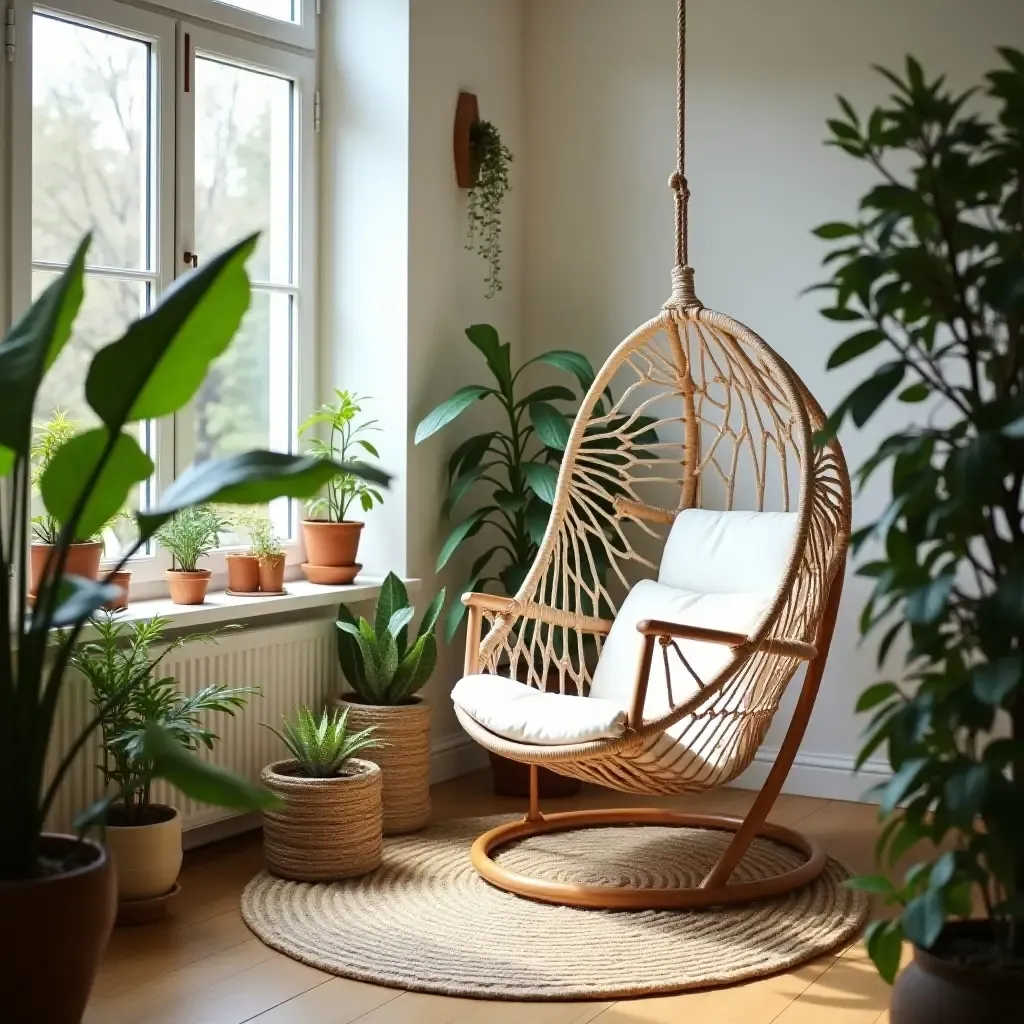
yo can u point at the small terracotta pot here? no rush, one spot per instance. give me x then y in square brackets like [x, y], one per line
[243, 573]
[123, 579]
[83, 560]
[55, 928]
[272, 574]
[331, 543]
[188, 587]
[147, 856]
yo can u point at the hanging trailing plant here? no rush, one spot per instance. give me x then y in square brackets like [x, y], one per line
[491, 158]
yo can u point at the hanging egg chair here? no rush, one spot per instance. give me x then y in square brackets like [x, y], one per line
[692, 563]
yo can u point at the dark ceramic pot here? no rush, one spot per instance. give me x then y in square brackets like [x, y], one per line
[938, 989]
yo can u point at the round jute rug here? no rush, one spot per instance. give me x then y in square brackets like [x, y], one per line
[425, 921]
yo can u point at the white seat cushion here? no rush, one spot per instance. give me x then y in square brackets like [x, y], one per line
[615, 675]
[727, 552]
[523, 714]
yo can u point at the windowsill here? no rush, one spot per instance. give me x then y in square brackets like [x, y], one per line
[220, 609]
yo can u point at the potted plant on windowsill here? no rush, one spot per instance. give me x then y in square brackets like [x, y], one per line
[129, 697]
[328, 824]
[190, 535]
[386, 669]
[261, 568]
[57, 892]
[331, 539]
[931, 269]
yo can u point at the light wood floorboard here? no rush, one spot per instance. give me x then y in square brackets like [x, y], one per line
[203, 966]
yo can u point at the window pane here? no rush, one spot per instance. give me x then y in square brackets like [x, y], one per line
[90, 144]
[244, 165]
[283, 10]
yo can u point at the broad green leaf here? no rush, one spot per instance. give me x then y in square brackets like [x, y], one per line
[927, 603]
[914, 393]
[875, 695]
[552, 427]
[870, 883]
[78, 598]
[28, 351]
[871, 393]
[571, 362]
[469, 454]
[399, 620]
[992, 681]
[537, 515]
[498, 356]
[964, 793]
[854, 346]
[901, 783]
[943, 870]
[841, 313]
[415, 669]
[923, 918]
[72, 471]
[1014, 429]
[251, 478]
[162, 359]
[542, 480]
[199, 780]
[430, 616]
[447, 411]
[460, 487]
[835, 229]
[552, 393]
[393, 596]
[467, 528]
[884, 941]
[348, 649]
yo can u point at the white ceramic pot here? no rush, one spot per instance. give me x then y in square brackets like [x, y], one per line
[147, 858]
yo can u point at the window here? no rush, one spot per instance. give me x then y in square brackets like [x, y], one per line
[170, 140]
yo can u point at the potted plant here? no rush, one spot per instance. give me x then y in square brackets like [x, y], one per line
[491, 159]
[84, 554]
[129, 697]
[57, 892]
[261, 568]
[189, 535]
[386, 669]
[517, 466]
[930, 269]
[328, 824]
[331, 539]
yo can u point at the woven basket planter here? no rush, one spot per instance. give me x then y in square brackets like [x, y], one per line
[328, 828]
[404, 760]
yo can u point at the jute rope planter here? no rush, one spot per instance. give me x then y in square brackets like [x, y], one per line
[328, 828]
[404, 758]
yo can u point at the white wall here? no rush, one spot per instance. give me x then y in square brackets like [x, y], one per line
[600, 140]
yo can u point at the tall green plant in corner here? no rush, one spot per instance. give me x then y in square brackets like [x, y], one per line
[931, 270]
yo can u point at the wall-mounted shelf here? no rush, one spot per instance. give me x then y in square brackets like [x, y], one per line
[467, 114]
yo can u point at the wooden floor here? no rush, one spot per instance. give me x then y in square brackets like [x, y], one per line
[204, 967]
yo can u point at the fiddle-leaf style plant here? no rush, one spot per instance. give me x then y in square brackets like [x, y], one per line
[130, 696]
[931, 270]
[491, 160]
[378, 659]
[346, 442]
[192, 534]
[323, 747]
[151, 371]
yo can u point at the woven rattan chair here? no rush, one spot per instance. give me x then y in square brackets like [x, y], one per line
[671, 689]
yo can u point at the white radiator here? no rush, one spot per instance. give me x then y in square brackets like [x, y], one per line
[290, 664]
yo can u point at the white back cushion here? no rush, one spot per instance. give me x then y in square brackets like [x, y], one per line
[727, 552]
[615, 675]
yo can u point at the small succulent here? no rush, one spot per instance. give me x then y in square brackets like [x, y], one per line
[378, 661]
[322, 747]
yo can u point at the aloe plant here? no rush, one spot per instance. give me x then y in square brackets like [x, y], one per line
[322, 747]
[378, 661]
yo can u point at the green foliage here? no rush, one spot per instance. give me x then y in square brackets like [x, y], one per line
[491, 159]
[130, 696]
[192, 534]
[48, 438]
[264, 543]
[346, 442]
[323, 747]
[171, 349]
[932, 269]
[377, 659]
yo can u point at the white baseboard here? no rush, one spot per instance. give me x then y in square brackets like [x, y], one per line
[828, 776]
[451, 756]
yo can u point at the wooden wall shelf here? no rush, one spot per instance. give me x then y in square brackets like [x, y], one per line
[467, 114]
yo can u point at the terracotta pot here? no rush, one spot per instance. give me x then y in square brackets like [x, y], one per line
[940, 988]
[188, 587]
[331, 543]
[147, 857]
[123, 579]
[326, 828]
[272, 574]
[83, 560]
[243, 573]
[55, 929]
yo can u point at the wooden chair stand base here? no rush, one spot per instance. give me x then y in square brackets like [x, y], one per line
[713, 891]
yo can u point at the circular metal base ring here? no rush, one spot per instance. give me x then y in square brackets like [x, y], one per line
[612, 898]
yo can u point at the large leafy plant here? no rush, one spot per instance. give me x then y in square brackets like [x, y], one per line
[378, 659]
[323, 747]
[130, 696]
[153, 370]
[346, 442]
[932, 271]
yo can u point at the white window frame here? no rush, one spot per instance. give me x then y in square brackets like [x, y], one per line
[173, 191]
[301, 34]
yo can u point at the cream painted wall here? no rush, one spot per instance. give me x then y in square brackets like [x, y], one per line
[599, 79]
